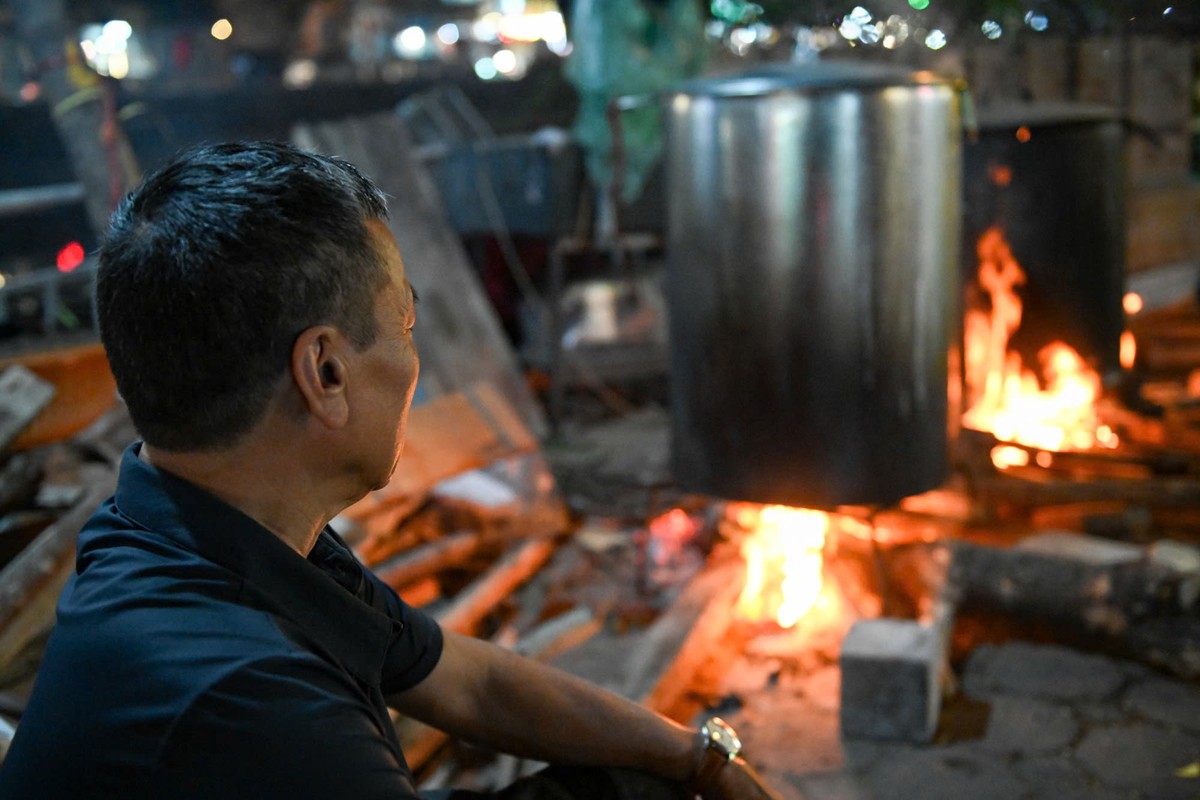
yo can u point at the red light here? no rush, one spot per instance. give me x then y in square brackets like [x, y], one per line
[70, 257]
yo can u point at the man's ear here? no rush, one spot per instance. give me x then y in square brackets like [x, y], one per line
[319, 372]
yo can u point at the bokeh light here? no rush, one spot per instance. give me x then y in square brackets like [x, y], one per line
[70, 257]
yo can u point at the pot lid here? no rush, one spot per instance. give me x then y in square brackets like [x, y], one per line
[806, 77]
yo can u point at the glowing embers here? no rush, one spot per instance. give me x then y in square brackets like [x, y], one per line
[784, 564]
[1056, 412]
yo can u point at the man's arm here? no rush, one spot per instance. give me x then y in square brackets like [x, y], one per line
[492, 697]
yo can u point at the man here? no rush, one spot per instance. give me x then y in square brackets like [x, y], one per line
[218, 640]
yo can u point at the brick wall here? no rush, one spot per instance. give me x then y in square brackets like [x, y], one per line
[1150, 80]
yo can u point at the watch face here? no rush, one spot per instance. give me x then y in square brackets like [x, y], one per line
[720, 737]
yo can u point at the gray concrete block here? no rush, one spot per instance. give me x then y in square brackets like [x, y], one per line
[891, 673]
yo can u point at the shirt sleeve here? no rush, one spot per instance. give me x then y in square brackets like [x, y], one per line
[282, 727]
[416, 646]
[416, 643]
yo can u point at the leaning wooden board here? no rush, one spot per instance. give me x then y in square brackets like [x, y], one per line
[458, 333]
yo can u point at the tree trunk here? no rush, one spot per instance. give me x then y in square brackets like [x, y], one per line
[90, 132]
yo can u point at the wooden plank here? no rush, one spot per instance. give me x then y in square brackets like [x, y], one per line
[559, 634]
[23, 396]
[477, 600]
[678, 644]
[425, 560]
[459, 334]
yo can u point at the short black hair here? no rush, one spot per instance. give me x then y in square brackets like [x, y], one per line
[211, 269]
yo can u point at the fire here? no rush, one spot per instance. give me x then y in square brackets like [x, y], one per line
[1133, 304]
[1055, 413]
[1128, 350]
[783, 562]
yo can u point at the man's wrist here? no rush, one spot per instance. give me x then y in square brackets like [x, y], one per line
[717, 746]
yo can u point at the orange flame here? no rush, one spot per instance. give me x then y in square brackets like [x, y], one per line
[783, 562]
[1128, 350]
[1007, 399]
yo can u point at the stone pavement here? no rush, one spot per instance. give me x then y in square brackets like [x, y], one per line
[1034, 722]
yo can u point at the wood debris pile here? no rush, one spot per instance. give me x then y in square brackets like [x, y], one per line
[47, 491]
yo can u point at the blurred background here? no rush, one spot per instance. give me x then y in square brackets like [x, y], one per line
[173, 73]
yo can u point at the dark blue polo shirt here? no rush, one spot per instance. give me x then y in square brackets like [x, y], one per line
[198, 656]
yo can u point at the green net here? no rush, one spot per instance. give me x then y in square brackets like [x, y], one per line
[626, 48]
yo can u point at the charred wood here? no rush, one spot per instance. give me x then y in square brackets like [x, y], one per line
[1116, 600]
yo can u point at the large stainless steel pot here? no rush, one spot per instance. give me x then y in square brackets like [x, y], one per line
[813, 245]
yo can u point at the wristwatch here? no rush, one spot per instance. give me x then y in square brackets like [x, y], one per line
[721, 745]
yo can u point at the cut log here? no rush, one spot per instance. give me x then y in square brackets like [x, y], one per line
[1029, 487]
[30, 584]
[1092, 592]
[478, 599]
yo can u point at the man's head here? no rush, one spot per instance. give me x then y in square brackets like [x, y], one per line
[214, 266]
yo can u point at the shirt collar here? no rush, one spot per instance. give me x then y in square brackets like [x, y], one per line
[320, 603]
